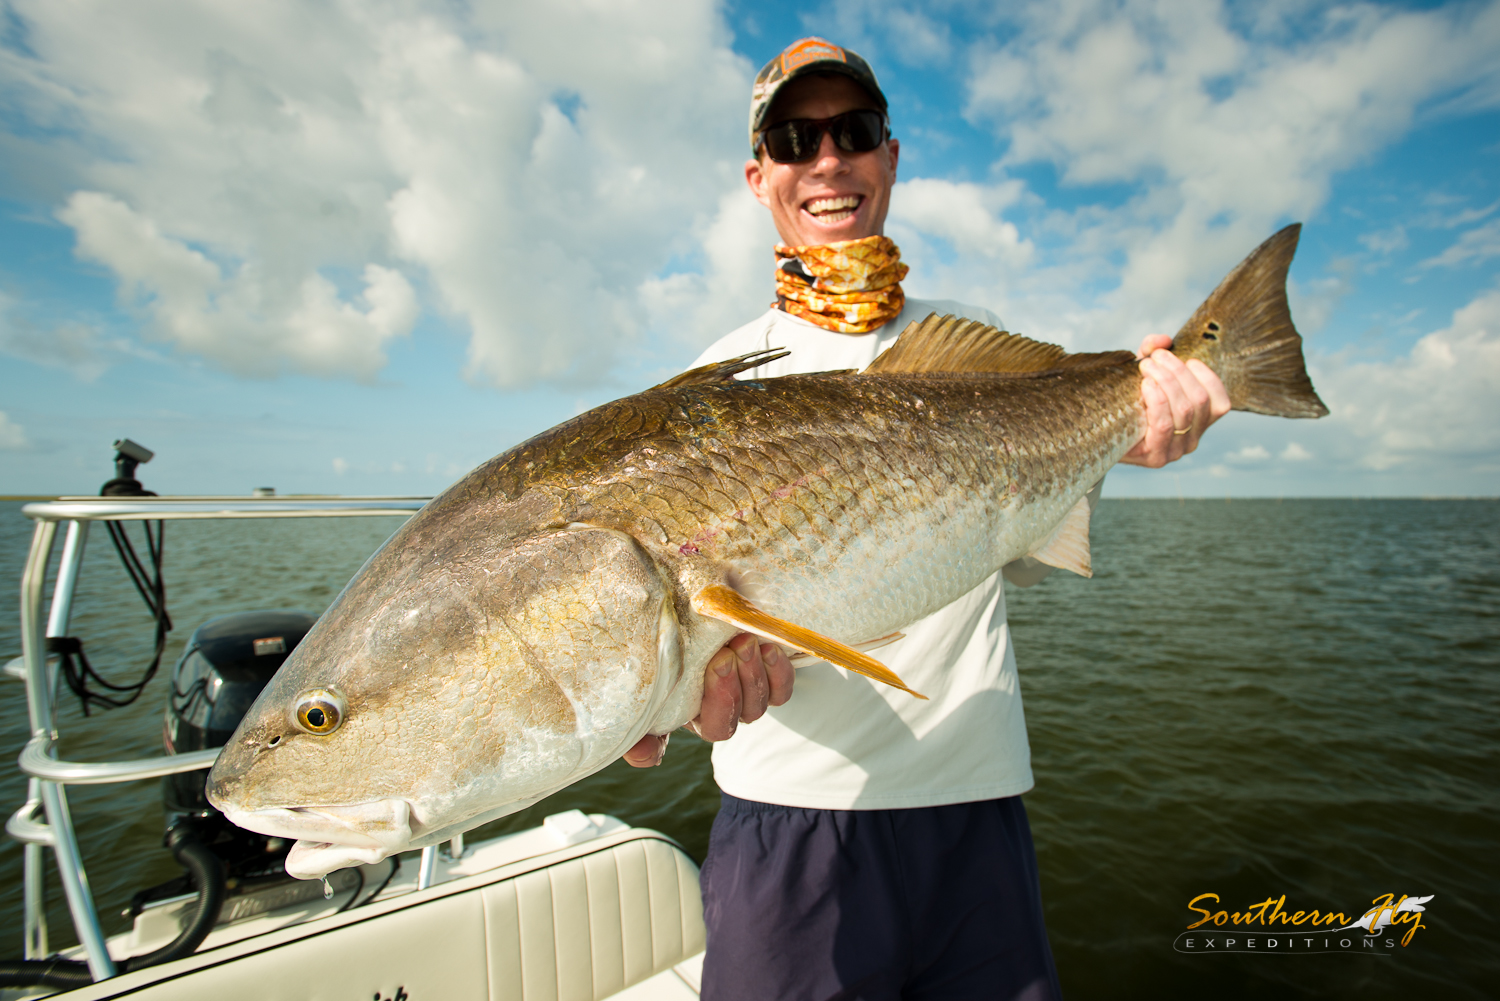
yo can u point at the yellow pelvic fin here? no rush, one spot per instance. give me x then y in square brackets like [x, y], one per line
[719, 602]
[1067, 548]
[719, 372]
[954, 344]
[798, 659]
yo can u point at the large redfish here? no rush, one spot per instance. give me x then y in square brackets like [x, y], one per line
[535, 620]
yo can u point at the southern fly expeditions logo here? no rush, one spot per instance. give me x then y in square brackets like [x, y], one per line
[1269, 927]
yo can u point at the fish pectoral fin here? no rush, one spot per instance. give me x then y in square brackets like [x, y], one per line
[719, 372]
[798, 659]
[1067, 548]
[727, 605]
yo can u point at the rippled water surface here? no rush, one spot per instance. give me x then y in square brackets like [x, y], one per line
[1250, 699]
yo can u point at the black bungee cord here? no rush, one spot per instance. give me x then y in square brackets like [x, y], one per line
[81, 677]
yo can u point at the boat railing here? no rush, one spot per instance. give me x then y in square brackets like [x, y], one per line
[44, 820]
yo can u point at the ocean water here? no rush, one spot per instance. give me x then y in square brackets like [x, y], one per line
[1250, 699]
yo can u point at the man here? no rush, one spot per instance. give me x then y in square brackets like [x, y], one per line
[871, 845]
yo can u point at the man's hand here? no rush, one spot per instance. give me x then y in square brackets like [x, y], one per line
[741, 680]
[1182, 400]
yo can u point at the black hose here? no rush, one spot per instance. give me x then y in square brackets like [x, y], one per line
[395, 868]
[206, 870]
[208, 873]
[360, 872]
[64, 973]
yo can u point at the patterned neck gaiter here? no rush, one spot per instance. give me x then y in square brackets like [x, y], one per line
[850, 287]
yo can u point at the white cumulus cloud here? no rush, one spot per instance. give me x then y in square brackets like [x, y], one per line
[1475, 245]
[734, 282]
[1295, 453]
[1220, 131]
[76, 347]
[965, 215]
[1249, 453]
[12, 435]
[247, 320]
[283, 186]
[1439, 403]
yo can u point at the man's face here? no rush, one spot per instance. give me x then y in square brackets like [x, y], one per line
[834, 195]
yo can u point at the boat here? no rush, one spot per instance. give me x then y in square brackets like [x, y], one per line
[582, 908]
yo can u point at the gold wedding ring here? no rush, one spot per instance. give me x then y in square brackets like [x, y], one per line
[1178, 431]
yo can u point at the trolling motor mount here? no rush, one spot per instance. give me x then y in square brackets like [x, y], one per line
[128, 455]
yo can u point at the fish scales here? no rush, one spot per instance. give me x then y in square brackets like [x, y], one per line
[752, 508]
[533, 621]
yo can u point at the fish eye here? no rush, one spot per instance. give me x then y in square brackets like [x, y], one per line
[319, 711]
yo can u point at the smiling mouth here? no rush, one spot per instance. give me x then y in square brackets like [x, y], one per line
[833, 210]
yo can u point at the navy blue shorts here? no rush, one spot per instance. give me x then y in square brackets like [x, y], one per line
[934, 902]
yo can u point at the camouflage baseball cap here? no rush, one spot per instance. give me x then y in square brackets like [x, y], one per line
[804, 56]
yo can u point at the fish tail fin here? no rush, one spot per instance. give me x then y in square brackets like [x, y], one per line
[1244, 332]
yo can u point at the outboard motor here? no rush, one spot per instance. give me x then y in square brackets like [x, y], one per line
[228, 660]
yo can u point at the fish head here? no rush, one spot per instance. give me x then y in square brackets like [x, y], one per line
[448, 686]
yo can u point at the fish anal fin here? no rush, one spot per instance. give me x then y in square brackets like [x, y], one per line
[1068, 546]
[719, 372]
[727, 605]
[953, 344]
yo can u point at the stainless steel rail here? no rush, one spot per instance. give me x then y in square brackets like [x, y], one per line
[49, 776]
[176, 508]
[38, 762]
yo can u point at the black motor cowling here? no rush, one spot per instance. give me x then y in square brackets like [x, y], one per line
[227, 662]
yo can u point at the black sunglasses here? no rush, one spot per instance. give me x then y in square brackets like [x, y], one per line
[799, 139]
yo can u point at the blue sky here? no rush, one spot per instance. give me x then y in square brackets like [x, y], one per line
[361, 248]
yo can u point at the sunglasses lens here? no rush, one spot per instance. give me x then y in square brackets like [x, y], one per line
[858, 131]
[853, 132]
[789, 142]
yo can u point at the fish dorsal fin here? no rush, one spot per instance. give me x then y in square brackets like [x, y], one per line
[720, 372]
[955, 344]
[727, 605]
[1067, 548]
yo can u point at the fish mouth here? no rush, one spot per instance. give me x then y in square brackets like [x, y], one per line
[333, 837]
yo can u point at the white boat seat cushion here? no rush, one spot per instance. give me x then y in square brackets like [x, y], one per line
[588, 928]
[579, 929]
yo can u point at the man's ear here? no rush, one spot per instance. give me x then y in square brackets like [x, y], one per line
[756, 179]
[895, 148]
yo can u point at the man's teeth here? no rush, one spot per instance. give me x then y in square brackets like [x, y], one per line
[833, 209]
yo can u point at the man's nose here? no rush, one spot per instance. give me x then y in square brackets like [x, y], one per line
[830, 159]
